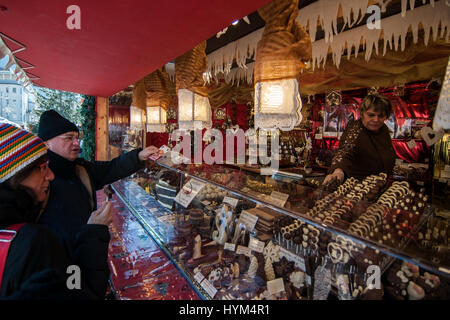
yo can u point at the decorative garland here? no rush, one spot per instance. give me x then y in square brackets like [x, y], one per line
[88, 113]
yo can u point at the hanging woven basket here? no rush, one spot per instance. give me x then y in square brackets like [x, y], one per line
[139, 96]
[157, 88]
[284, 45]
[189, 69]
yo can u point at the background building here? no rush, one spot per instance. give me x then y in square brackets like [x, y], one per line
[16, 102]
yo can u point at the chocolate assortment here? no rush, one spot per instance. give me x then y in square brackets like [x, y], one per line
[211, 239]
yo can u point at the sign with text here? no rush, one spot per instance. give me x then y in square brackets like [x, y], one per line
[248, 219]
[188, 192]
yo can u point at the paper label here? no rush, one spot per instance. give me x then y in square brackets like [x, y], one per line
[278, 198]
[229, 246]
[199, 277]
[209, 288]
[244, 250]
[318, 136]
[231, 201]
[188, 192]
[411, 144]
[248, 219]
[256, 245]
[275, 286]
[299, 261]
[447, 168]
[398, 162]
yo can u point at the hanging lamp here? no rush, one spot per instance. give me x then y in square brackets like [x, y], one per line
[280, 53]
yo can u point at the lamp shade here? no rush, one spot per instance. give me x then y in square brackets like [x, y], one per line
[156, 119]
[277, 104]
[136, 117]
[194, 110]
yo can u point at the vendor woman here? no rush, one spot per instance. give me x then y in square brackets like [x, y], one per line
[365, 147]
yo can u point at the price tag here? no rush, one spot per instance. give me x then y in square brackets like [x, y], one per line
[188, 192]
[199, 277]
[275, 286]
[244, 250]
[231, 201]
[447, 168]
[299, 261]
[256, 245]
[318, 136]
[209, 288]
[398, 162]
[248, 219]
[278, 198]
[229, 246]
[411, 144]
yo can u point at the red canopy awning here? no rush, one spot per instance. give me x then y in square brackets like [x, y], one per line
[119, 41]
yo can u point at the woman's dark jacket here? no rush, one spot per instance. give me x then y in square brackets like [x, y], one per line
[363, 152]
[36, 256]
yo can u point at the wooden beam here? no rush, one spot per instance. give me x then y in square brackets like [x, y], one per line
[101, 129]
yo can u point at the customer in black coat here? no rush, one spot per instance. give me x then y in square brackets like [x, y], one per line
[36, 262]
[73, 191]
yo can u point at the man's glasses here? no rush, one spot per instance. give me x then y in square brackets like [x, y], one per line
[70, 138]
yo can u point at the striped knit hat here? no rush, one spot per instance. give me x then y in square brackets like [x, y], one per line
[18, 148]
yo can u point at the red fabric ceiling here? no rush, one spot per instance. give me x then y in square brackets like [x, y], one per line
[119, 41]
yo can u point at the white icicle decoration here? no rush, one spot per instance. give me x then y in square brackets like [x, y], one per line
[442, 116]
[326, 11]
[395, 29]
[412, 4]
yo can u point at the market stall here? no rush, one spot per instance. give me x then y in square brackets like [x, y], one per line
[290, 77]
[238, 233]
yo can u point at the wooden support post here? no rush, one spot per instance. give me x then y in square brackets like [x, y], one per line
[101, 130]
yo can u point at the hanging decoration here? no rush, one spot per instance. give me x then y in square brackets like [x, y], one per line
[194, 110]
[442, 116]
[171, 114]
[157, 100]
[220, 114]
[434, 18]
[279, 58]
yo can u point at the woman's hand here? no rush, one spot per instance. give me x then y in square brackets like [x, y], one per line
[102, 215]
[337, 174]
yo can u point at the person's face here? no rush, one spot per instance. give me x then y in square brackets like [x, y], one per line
[66, 145]
[38, 181]
[373, 120]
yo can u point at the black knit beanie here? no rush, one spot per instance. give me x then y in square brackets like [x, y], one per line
[52, 124]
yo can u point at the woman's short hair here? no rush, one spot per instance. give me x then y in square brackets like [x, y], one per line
[378, 102]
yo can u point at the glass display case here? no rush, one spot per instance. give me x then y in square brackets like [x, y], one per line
[236, 234]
